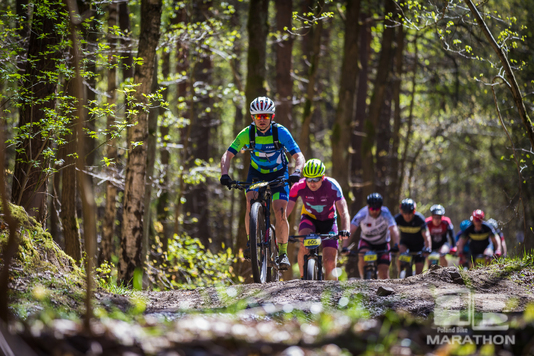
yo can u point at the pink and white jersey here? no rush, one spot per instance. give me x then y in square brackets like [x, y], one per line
[321, 204]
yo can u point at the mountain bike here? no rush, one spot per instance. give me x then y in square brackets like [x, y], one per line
[313, 260]
[371, 263]
[263, 246]
[406, 263]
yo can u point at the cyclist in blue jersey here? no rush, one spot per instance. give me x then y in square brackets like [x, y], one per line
[323, 198]
[465, 252]
[480, 235]
[378, 228]
[269, 142]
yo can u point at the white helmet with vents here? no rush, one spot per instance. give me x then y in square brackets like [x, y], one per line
[262, 105]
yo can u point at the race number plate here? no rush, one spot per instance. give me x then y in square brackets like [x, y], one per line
[405, 258]
[369, 257]
[312, 242]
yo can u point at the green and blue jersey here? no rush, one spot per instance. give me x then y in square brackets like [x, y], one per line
[265, 158]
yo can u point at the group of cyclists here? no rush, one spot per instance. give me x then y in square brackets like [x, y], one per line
[323, 201]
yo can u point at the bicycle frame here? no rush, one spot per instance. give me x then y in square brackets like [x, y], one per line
[265, 268]
[312, 243]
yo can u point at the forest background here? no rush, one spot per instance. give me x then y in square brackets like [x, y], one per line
[406, 98]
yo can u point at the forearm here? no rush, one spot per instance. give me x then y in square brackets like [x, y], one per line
[299, 161]
[394, 232]
[225, 162]
[428, 242]
[344, 214]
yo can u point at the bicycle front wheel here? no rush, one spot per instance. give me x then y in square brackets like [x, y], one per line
[311, 269]
[258, 253]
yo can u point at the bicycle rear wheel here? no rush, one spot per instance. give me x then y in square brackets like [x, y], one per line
[258, 250]
[272, 255]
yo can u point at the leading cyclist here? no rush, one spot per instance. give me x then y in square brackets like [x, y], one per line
[321, 196]
[268, 162]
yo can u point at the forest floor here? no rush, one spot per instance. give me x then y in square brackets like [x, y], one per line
[293, 318]
[297, 317]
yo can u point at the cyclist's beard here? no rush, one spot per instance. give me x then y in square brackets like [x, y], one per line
[265, 128]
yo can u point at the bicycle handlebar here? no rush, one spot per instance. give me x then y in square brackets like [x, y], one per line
[245, 185]
[293, 238]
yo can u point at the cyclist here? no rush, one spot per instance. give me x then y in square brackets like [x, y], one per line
[323, 198]
[441, 232]
[268, 142]
[413, 233]
[461, 254]
[499, 232]
[479, 235]
[378, 228]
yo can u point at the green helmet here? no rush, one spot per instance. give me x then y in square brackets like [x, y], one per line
[313, 168]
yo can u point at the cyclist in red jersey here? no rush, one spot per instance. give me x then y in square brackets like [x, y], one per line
[441, 232]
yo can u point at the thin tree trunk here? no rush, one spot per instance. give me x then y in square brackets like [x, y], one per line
[134, 192]
[150, 162]
[110, 215]
[304, 139]
[347, 89]
[12, 246]
[162, 206]
[284, 60]
[408, 137]
[394, 189]
[383, 144]
[69, 214]
[197, 195]
[377, 99]
[30, 183]
[257, 30]
[84, 181]
[357, 133]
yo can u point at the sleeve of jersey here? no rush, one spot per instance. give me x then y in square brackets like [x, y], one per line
[295, 190]
[336, 188]
[358, 218]
[240, 141]
[287, 140]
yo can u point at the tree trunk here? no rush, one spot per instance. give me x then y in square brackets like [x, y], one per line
[347, 88]
[150, 162]
[304, 140]
[408, 137]
[197, 197]
[377, 99]
[108, 229]
[30, 183]
[284, 60]
[394, 189]
[126, 42]
[383, 144]
[69, 214]
[162, 206]
[257, 29]
[357, 133]
[134, 192]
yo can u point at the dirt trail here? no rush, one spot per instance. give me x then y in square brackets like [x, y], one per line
[494, 289]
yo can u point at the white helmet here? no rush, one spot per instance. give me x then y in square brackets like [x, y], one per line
[262, 105]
